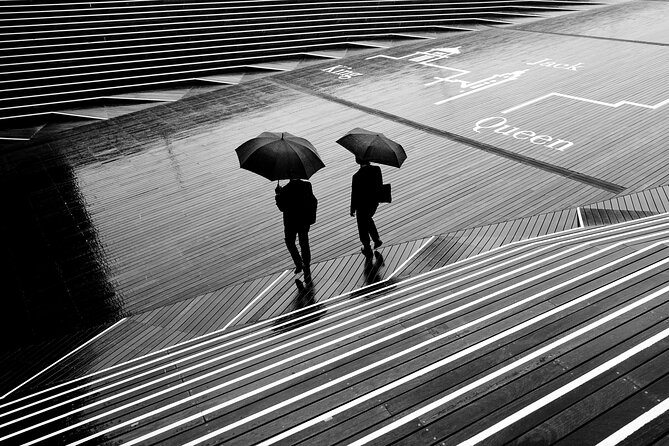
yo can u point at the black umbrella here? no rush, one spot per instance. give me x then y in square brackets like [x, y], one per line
[279, 156]
[373, 146]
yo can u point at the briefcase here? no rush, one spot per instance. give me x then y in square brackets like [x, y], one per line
[385, 194]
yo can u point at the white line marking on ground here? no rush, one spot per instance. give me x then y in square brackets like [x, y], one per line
[436, 404]
[385, 360]
[411, 257]
[492, 430]
[584, 235]
[199, 365]
[262, 293]
[293, 358]
[64, 357]
[633, 426]
[580, 217]
[324, 319]
[591, 101]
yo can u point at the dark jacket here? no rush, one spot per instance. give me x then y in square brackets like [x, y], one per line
[367, 182]
[297, 202]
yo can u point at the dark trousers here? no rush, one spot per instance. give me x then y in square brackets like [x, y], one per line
[303, 232]
[366, 226]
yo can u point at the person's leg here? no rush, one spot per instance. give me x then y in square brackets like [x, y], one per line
[373, 231]
[290, 234]
[363, 219]
[363, 227]
[304, 245]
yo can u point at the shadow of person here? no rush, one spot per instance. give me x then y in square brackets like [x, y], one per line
[304, 309]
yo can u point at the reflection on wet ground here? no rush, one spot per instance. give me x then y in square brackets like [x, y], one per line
[145, 210]
[304, 309]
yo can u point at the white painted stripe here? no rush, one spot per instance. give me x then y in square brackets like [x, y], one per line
[558, 393]
[64, 357]
[411, 257]
[538, 240]
[310, 351]
[561, 239]
[332, 342]
[9, 138]
[580, 217]
[305, 19]
[436, 404]
[256, 299]
[538, 353]
[79, 115]
[627, 430]
[591, 101]
[259, 332]
[390, 358]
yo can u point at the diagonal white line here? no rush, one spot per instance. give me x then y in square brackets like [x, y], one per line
[385, 360]
[565, 236]
[536, 354]
[265, 330]
[492, 430]
[64, 357]
[411, 257]
[591, 101]
[281, 346]
[255, 299]
[432, 406]
[636, 424]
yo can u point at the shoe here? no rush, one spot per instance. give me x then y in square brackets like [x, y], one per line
[298, 269]
[366, 250]
[377, 244]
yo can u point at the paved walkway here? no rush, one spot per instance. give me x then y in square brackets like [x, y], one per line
[151, 209]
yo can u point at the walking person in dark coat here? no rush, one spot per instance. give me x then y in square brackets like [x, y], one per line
[367, 182]
[297, 202]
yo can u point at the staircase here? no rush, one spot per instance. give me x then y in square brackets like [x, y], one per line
[55, 54]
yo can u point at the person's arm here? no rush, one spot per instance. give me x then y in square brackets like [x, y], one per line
[279, 198]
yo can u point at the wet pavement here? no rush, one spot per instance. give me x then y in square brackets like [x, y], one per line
[145, 210]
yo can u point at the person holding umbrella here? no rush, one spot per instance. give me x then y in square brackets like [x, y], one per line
[297, 202]
[367, 189]
[281, 156]
[364, 202]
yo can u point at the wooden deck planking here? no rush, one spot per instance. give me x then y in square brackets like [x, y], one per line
[497, 409]
[328, 404]
[159, 271]
[212, 272]
[647, 395]
[420, 316]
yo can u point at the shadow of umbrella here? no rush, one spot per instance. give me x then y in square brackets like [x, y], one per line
[304, 309]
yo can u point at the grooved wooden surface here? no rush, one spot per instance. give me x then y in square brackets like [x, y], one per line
[552, 337]
[148, 217]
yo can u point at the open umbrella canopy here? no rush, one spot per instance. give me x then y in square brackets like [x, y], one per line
[279, 156]
[373, 146]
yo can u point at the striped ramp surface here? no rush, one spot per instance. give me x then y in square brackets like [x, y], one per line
[560, 339]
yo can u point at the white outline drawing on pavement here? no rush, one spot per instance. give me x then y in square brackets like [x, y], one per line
[473, 87]
[428, 59]
[592, 101]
